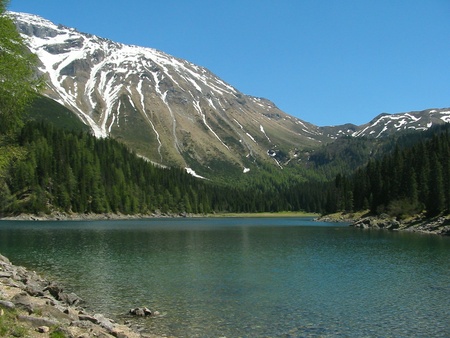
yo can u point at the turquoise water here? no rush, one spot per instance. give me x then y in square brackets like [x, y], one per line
[277, 277]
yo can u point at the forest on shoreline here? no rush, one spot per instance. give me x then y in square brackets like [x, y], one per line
[50, 164]
[46, 169]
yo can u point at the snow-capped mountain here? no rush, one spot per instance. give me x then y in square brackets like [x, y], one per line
[167, 109]
[174, 112]
[387, 124]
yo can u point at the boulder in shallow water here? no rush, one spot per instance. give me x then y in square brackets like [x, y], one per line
[140, 312]
[69, 298]
[54, 289]
[393, 225]
[4, 259]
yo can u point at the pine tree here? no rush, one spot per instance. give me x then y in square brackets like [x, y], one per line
[18, 83]
[436, 197]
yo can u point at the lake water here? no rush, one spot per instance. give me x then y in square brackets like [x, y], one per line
[235, 277]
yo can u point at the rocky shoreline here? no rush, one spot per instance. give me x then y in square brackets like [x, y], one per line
[41, 308]
[419, 223]
[62, 216]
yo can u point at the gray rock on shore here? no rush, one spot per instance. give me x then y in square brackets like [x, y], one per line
[41, 305]
[437, 226]
[377, 223]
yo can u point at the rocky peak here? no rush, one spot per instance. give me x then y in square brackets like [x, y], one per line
[174, 112]
[168, 109]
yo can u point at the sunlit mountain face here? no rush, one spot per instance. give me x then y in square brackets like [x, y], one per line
[175, 113]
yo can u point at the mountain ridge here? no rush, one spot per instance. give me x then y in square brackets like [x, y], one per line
[116, 89]
[174, 112]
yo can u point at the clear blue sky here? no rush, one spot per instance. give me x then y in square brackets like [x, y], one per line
[327, 62]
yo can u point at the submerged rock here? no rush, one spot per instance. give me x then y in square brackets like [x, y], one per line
[140, 312]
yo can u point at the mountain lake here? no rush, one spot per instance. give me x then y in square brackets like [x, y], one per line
[245, 277]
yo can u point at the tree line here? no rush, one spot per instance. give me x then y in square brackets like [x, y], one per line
[72, 171]
[75, 172]
[53, 169]
[405, 182]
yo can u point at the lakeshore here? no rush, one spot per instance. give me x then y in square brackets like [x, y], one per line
[32, 306]
[418, 223]
[62, 216]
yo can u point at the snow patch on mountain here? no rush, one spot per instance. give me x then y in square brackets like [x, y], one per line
[251, 137]
[193, 173]
[182, 110]
[445, 116]
[264, 132]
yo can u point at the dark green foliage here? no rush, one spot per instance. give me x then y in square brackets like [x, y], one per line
[72, 171]
[403, 183]
[75, 172]
[412, 176]
[18, 83]
[48, 110]
[344, 155]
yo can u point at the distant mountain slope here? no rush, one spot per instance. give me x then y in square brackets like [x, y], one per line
[175, 113]
[387, 124]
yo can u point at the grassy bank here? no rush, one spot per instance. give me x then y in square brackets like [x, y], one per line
[265, 214]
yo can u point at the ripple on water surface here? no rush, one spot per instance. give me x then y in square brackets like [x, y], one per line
[247, 277]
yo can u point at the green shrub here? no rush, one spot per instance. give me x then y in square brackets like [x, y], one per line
[57, 334]
[9, 326]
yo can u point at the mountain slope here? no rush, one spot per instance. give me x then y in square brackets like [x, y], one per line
[167, 109]
[388, 124]
[175, 113]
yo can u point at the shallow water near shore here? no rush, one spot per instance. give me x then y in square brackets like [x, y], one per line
[245, 277]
